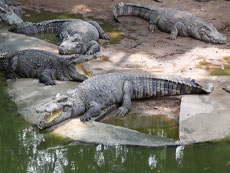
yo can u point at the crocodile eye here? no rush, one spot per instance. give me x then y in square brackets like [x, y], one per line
[65, 99]
[78, 45]
[66, 108]
[204, 30]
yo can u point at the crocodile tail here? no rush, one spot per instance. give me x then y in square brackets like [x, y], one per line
[131, 9]
[191, 87]
[157, 85]
[45, 26]
[208, 88]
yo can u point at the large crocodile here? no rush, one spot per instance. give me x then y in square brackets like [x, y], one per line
[173, 21]
[75, 36]
[43, 65]
[96, 93]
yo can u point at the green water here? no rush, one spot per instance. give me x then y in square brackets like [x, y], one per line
[157, 125]
[24, 148]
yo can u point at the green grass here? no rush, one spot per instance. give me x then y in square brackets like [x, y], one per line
[216, 70]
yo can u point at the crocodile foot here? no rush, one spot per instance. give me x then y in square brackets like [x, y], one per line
[50, 82]
[86, 117]
[105, 36]
[122, 111]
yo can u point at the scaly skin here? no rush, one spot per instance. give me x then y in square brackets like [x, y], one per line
[173, 21]
[75, 36]
[43, 65]
[96, 93]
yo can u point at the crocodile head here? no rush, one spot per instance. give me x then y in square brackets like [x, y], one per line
[58, 109]
[208, 33]
[71, 44]
[8, 15]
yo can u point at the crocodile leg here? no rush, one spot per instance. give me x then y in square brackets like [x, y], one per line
[102, 33]
[46, 77]
[10, 71]
[175, 29]
[126, 103]
[93, 47]
[93, 111]
[152, 27]
[153, 22]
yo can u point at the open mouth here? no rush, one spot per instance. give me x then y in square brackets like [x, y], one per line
[49, 117]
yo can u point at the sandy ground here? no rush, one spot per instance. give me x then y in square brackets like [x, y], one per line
[152, 52]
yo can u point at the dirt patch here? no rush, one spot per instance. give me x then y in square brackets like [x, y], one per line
[137, 47]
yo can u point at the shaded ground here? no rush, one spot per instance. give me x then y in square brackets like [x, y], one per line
[152, 52]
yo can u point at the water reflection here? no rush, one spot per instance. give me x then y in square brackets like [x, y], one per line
[157, 125]
[39, 160]
[41, 153]
[152, 161]
[179, 155]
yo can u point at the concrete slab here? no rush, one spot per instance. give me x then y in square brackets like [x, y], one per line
[206, 117]
[12, 41]
[28, 93]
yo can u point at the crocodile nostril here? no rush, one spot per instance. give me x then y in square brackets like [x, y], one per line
[61, 46]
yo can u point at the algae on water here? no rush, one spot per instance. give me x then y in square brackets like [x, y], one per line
[157, 125]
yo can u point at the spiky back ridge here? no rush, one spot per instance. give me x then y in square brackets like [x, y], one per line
[131, 9]
[145, 86]
[45, 26]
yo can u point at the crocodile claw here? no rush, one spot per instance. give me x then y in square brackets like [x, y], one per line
[105, 36]
[172, 37]
[122, 111]
[52, 82]
[89, 52]
[84, 118]
[13, 76]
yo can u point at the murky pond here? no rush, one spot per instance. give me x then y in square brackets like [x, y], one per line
[24, 148]
[157, 125]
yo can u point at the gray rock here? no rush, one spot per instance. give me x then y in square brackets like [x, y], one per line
[205, 118]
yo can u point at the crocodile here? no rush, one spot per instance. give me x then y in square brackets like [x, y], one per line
[91, 96]
[10, 13]
[74, 36]
[32, 63]
[173, 21]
